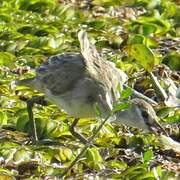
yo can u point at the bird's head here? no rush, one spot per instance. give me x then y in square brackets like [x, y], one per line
[140, 114]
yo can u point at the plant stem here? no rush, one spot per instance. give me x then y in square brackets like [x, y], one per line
[84, 149]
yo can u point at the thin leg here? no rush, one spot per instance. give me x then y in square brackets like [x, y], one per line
[76, 134]
[38, 100]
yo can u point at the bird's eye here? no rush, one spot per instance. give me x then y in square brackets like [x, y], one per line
[144, 114]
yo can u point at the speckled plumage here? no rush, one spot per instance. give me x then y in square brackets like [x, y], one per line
[77, 82]
[60, 73]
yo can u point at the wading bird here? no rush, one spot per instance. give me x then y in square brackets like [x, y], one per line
[78, 82]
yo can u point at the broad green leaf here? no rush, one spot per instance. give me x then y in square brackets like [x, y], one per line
[93, 155]
[41, 32]
[138, 169]
[152, 25]
[64, 154]
[5, 17]
[36, 6]
[146, 175]
[140, 39]
[54, 42]
[159, 170]
[173, 61]
[173, 119]
[22, 122]
[148, 29]
[4, 176]
[11, 47]
[172, 9]
[137, 39]
[28, 29]
[117, 164]
[9, 145]
[107, 2]
[3, 118]
[148, 155]
[4, 89]
[30, 51]
[126, 93]
[21, 112]
[7, 59]
[142, 54]
[121, 106]
[68, 153]
[50, 126]
[95, 165]
[97, 24]
[165, 112]
[22, 155]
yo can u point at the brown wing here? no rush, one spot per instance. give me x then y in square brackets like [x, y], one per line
[103, 71]
[61, 72]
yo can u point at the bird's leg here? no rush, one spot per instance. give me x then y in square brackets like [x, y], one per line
[76, 134]
[30, 102]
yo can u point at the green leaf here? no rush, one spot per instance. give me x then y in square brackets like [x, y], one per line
[3, 118]
[64, 154]
[39, 6]
[93, 155]
[21, 112]
[7, 59]
[22, 122]
[142, 54]
[151, 25]
[28, 29]
[172, 60]
[4, 176]
[148, 155]
[126, 93]
[117, 164]
[138, 169]
[173, 119]
[165, 112]
[22, 155]
[136, 39]
[98, 24]
[107, 2]
[5, 18]
[30, 51]
[50, 126]
[145, 176]
[54, 42]
[121, 106]
[148, 29]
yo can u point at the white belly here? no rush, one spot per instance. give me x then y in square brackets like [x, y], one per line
[76, 107]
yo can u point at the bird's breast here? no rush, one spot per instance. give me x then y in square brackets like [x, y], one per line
[77, 107]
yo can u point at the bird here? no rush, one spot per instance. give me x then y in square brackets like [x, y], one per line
[81, 82]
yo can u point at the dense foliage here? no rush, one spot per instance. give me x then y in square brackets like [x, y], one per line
[136, 35]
